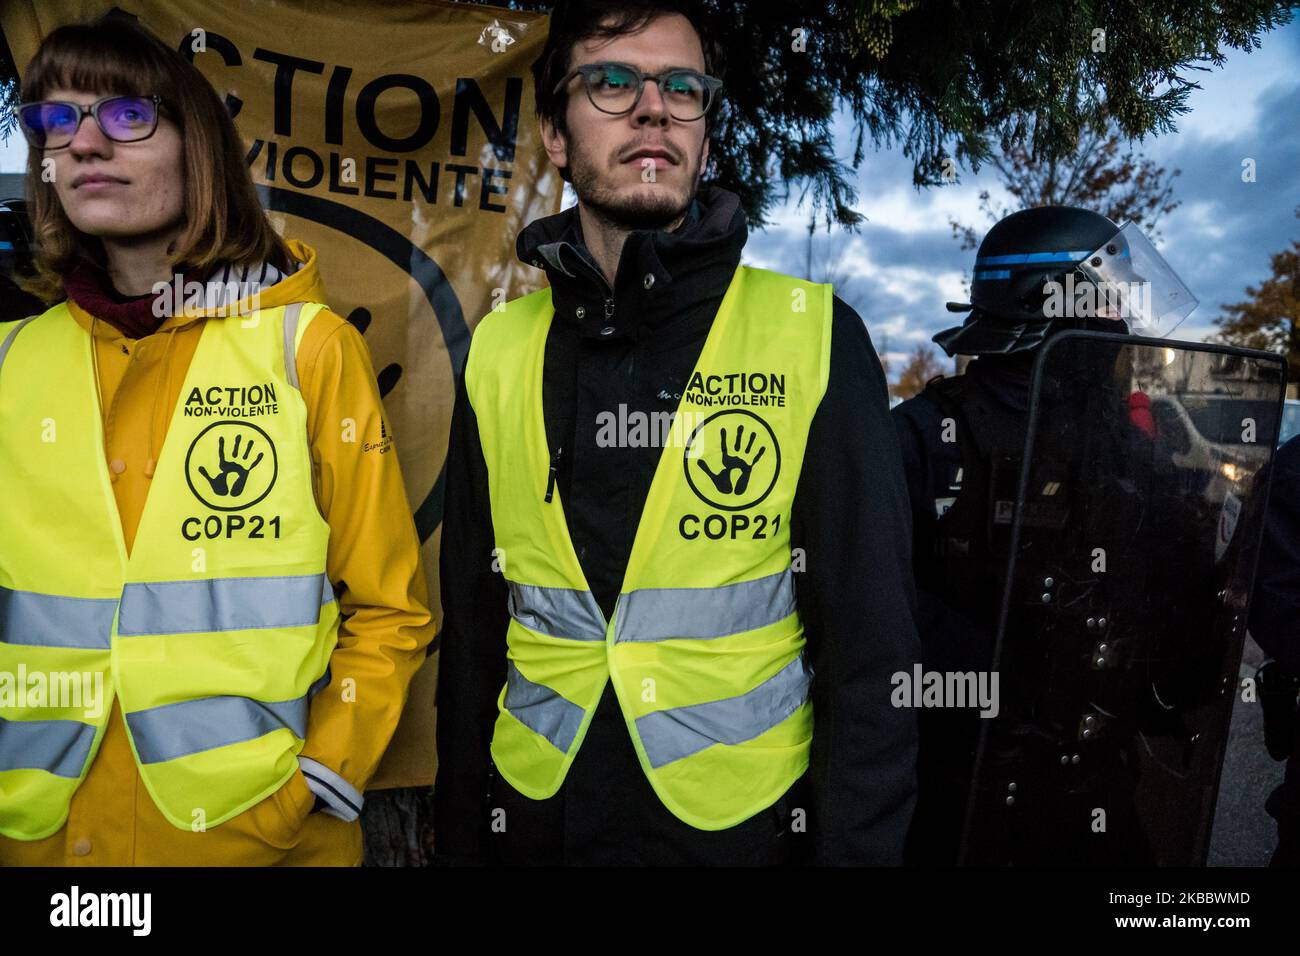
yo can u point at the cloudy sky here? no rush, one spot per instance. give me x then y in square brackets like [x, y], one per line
[903, 264]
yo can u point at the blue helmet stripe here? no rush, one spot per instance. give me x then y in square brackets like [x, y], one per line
[1025, 258]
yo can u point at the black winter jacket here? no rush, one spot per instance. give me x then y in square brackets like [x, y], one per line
[636, 345]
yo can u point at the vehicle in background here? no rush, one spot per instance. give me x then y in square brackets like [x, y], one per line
[1290, 421]
[1207, 441]
[15, 259]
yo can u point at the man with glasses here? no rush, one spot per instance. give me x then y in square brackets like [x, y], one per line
[673, 496]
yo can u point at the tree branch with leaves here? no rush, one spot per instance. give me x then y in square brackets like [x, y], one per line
[1270, 318]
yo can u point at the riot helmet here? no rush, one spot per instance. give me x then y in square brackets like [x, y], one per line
[1050, 268]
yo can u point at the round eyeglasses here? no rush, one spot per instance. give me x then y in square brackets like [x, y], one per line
[51, 124]
[616, 88]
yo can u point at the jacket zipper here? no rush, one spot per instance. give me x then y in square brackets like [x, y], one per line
[550, 479]
[555, 458]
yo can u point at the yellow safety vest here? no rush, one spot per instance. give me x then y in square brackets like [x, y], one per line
[706, 646]
[214, 632]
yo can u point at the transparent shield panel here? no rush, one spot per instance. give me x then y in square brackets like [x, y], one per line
[1136, 529]
[1132, 281]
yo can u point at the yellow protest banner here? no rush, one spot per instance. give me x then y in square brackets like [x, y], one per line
[398, 139]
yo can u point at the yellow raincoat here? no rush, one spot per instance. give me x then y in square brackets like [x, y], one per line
[373, 561]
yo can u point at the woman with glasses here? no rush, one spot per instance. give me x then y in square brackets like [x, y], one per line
[211, 600]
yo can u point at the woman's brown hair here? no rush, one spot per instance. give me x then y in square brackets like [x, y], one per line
[225, 222]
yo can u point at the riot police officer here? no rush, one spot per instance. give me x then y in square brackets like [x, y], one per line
[1275, 624]
[962, 440]
[962, 443]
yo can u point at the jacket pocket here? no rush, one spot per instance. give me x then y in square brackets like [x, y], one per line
[278, 820]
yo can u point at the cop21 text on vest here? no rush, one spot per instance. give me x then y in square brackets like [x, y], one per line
[380, 177]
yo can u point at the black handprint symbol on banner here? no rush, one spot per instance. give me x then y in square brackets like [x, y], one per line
[388, 376]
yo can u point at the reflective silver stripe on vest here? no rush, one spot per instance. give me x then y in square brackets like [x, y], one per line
[60, 747]
[50, 620]
[292, 312]
[188, 727]
[9, 339]
[222, 604]
[559, 612]
[541, 709]
[661, 614]
[669, 735]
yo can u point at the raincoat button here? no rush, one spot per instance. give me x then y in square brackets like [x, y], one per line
[649, 279]
[607, 330]
[580, 312]
[117, 466]
[81, 847]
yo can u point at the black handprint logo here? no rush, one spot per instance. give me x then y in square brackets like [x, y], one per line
[734, 462]
[388, 376]
[230, 481]
[220, 482]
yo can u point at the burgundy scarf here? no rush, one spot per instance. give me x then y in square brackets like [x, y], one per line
[89, 285]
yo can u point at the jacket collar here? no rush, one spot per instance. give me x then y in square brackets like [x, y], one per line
[303, 285]
[661, 275]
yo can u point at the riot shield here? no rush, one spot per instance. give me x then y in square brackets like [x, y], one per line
[1135, 529]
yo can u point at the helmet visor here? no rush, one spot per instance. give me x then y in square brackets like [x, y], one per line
[1135, 283]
